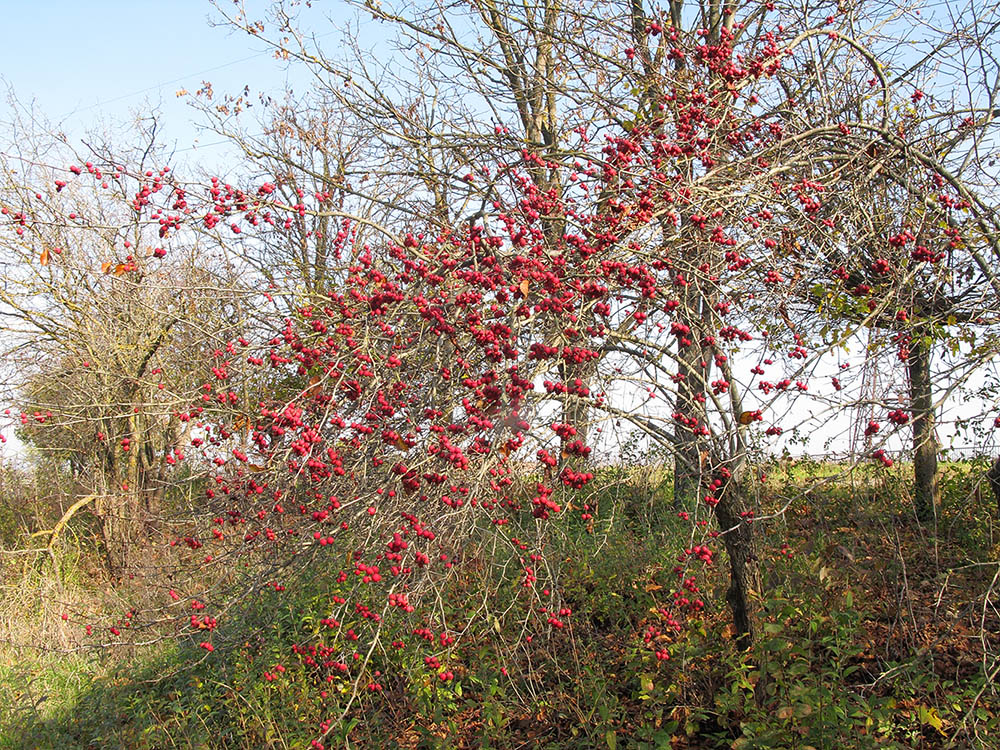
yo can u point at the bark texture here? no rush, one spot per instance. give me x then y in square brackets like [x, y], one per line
[926, 490]
[744, 572]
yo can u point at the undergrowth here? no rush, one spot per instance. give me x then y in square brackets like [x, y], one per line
[875, 631]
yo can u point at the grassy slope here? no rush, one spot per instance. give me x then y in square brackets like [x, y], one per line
[874, 635]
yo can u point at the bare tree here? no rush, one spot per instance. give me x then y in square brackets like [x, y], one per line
[113, 317]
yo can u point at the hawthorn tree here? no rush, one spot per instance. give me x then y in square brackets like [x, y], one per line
[717, 115]
[560, 197]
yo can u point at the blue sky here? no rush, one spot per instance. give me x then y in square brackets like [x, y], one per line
[84, 64]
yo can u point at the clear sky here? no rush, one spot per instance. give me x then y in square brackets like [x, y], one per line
[85, 63]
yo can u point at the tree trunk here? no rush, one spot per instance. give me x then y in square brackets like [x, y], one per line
[120, 507]
[693, 368]
[993, 478]
[121, 532]
[575, 410]
[687, 458]
[744, 572]
[926, 492]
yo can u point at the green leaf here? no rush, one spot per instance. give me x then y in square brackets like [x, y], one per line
[662, 738]
[929, 716]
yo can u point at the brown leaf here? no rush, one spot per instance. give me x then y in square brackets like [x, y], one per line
[314, 387]
[106, 267]
[524, 286]
[44, 258]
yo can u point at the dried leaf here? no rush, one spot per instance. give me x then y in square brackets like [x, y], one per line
[44, 258]
[314, 387]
